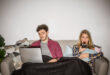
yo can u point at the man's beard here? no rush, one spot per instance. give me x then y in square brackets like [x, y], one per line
[44, 39]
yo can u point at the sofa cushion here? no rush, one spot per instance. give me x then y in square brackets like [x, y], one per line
[68, 52]
[64, 43]
[7, 65]
[101, 66]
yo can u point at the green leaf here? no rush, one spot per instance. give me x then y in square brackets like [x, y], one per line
[2, 43]
[2, 53]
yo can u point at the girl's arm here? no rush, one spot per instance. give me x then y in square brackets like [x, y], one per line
[76, 52]
[96, 55]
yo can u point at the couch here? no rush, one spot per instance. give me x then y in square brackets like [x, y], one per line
[101, 64]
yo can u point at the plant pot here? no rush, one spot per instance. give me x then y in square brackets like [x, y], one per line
[0, 64]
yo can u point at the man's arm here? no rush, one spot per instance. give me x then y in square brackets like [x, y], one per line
[35, 44]
[58, 51]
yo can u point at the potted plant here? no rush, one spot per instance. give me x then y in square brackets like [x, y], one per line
[2, 50]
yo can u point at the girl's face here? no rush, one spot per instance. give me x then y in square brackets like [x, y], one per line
[84, 38]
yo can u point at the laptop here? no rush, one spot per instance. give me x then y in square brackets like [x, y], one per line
[32, 55]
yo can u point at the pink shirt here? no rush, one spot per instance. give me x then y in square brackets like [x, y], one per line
[53, 46]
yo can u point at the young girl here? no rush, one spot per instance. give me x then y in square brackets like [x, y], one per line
[86, 50]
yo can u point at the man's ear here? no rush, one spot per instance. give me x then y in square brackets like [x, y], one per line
[47, 32]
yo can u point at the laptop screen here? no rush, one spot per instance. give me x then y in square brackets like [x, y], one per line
[32, 55]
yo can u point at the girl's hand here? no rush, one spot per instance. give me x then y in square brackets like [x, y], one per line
[81, 49]
[84, 55]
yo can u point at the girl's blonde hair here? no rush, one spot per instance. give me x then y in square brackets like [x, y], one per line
[90, 43]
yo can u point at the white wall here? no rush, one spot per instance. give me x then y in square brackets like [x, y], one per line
[65, 18]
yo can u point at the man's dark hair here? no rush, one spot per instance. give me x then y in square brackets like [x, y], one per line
[42, 26]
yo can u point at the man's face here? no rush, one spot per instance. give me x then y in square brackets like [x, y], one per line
[43, 35]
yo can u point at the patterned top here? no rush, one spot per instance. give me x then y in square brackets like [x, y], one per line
[92, 57]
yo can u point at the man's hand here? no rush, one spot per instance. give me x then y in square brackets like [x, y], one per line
[52, 60]
[84, 55]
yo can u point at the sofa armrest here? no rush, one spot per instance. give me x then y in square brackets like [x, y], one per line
[101, 66]
[7, 65]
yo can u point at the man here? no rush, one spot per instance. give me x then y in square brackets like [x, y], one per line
[48, 46]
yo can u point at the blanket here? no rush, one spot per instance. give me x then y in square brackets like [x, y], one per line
[65, 66]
